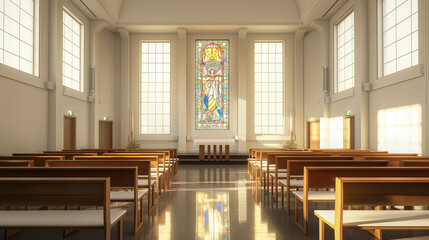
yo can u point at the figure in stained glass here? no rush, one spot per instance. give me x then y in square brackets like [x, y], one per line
[212, 82]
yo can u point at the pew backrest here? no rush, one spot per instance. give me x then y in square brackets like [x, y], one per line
[67, 155]
[16, 163]
[324, 177]
[39, 161]
[120, 177]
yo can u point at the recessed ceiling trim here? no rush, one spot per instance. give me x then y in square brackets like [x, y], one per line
[88, 8]
[324, 15]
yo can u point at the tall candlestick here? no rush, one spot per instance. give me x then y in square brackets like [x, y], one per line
[291, 124]
[132, 123]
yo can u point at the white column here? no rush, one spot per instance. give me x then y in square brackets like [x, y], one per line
[55, 96]
[94, 107]
[322, 26]
[361, 74]
[242, 95]
[125, 85]
[181, 90]
[299, 121]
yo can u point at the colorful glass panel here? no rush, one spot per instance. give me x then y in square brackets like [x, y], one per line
[212, 84]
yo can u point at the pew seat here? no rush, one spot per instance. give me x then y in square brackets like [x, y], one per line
[143, 183]
[293, 183]
[319, 196]
[375, 219]
[58, 191]
[57, 218]
[379, 192]
[126, 196]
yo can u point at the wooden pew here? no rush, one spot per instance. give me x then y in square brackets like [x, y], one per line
[324, 177]
[96, 151]
[361, 156]
[252, 156]
[413, 163]
[164, 163]
[67, 155]
[59, 192]
[394, 160]
[16, 163]
[261, 159]
[280, 172]
[173, 155]
[143, 169]
[155, 170]
[376, 191]
[39, 161]
[123, 177]
[268, 170]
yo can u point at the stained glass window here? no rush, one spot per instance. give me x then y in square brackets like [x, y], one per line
[212, 84]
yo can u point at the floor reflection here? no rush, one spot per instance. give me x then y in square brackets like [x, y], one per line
[212, 214]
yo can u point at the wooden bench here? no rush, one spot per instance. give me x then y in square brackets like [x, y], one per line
[261, 160]
[39, 161]
[123, 177]
[164, 163]
[269, 167]
[280, 171]
[376, 191]
[92, 151]
[414, 163]
[143, 171]
[361, 156]
[67, 155]
[156, 168]
[173, 155]
[156, 172]
[394, 160]
[324, 177]
[16, 163]
[59, 192]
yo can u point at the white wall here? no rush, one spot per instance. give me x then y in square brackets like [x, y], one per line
[196, 12]
[404, 88]
[313, 77]
[108, 68]
[23, 117]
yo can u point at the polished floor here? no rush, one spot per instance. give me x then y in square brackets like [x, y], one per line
[217, 202]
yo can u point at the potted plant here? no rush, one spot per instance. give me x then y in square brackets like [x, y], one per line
[290, 145]
[132, 144]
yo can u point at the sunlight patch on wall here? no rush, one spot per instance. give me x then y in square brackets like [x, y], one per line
[331, 132]
[399, 130]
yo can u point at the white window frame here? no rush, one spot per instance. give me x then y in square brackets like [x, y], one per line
[410, 72]
[335, 38]
[283, 89]
[17, 73]
[81, 51]
[140, 120]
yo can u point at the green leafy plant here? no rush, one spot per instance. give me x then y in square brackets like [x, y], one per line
[132, 144]
[290, 145]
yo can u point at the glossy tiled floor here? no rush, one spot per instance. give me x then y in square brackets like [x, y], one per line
[217, 202]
